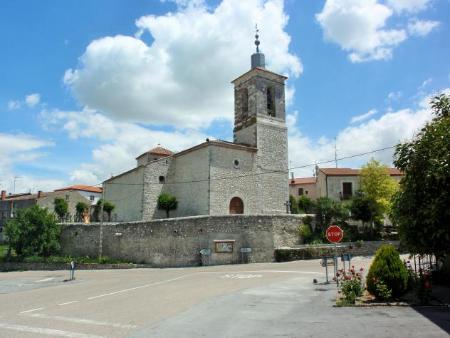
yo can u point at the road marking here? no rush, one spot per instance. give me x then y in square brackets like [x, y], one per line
[32, 310]
[45, 280]
[139, 287]
[240, 276]
[67, 303]
[83, 321]
[45, 331]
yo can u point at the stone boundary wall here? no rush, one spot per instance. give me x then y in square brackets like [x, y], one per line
[178, 241]
[300, 252]
[23, 266]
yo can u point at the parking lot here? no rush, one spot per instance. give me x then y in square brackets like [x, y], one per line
[251, 300]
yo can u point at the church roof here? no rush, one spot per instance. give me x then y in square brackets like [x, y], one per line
[218, 143]
[259, 69]
[160, 151]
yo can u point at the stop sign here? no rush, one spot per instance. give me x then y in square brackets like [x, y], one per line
[334, 234]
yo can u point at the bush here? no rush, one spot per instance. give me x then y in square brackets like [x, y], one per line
[351, 285]
[305, 233]
[33, 232]
[305, 204]
[387, 268]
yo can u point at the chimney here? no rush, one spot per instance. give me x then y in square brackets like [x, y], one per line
[3, 195]
[39, 194]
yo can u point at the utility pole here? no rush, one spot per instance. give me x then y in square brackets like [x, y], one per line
[100, 241]
[14, 184]
[335, 153]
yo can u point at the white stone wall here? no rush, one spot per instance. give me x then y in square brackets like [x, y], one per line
[125, 192]
[228, 180]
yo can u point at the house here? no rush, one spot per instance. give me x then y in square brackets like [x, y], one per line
[91, 193]
[9, 204]
[342, 183]
[246, 176]
[303, 186]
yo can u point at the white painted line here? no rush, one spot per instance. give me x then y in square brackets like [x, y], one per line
[45, 280]
[45, 331]
[67, 303]
[32, 310]
[139, 287]
[83, 321]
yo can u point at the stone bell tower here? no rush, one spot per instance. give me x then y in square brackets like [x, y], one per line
[260, 121]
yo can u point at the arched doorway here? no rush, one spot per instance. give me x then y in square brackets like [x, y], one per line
[236, 206]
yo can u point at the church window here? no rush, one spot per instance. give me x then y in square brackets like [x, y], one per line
[236, 206]
[270, 94]
[244, 101]
[236, 163]
[162, 179]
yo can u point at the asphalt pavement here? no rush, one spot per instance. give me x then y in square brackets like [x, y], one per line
[251, 300]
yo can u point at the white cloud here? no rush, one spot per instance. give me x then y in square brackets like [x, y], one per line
[20, 149]
[394, 96]
[411, 6]
[362, 117]
[421, 27]
[183, 77]
[119, 142]
[387, 130]
[32, 99]
[13, 105]
[361, 27]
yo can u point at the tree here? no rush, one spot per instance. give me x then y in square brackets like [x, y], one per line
[293, 204]
[61, 207]
[81, 209]
[33, 232]
[328, 210]
[108, 207]
[421, 206]
[363, 208]
[378, 186]
[305, 204]
[167, 202]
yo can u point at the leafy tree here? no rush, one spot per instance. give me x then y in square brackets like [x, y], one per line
[167, 202]
[363, 208]
[33, 232]
[61, 207]
[81, 208]
[98, 209]
[305, 204]
[377, 185]
[421, 206]
[328, 210]
[108, 207]
[293, 204]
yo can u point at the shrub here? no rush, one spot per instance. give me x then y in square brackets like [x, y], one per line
[384, 293]
[387, 268]
[305, 204]
[305, 232]
[351, 285]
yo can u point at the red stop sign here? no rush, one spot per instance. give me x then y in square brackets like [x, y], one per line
[334, 234]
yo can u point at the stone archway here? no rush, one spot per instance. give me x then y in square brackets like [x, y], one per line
[236, 206]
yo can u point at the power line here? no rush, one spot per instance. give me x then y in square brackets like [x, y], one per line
[257, 174]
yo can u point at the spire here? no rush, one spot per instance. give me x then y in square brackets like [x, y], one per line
[258, 58]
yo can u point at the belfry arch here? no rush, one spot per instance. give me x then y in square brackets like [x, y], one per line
[236, 206]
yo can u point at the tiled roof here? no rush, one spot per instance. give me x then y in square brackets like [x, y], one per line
[160, 151]
[302, 180]
[354, 172]
[81, 187]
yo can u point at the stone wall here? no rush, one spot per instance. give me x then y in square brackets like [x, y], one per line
[177, 242]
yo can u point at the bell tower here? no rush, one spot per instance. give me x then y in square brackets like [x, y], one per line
[260, 121]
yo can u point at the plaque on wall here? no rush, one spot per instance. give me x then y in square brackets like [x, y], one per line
[225, 246]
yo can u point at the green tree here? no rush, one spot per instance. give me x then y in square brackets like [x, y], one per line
[81, 208]
[108, 207]
[377, 185]
[61, 207]
[363, 208]
[293, 204]
[328, 211]
[305, 204]
[421, 207]
[167, 202]
[33, 232]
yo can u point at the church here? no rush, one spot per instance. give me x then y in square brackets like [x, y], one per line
[246, 176]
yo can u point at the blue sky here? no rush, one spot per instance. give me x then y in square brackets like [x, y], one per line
[89, 85]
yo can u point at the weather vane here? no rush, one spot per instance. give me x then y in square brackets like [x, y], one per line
[256, 38]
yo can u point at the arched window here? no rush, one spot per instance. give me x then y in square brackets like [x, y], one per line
[270, 94]
[236, 206]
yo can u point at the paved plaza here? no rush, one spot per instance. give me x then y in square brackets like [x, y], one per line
[252, 300]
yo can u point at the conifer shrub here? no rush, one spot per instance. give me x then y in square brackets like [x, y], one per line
[388, 269]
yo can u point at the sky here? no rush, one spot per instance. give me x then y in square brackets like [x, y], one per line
[87, 86]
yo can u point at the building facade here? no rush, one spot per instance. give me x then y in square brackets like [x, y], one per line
[92, 194]
[303, 186]
[246, 176]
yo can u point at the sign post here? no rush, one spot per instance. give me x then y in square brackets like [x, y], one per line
[334, 235]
